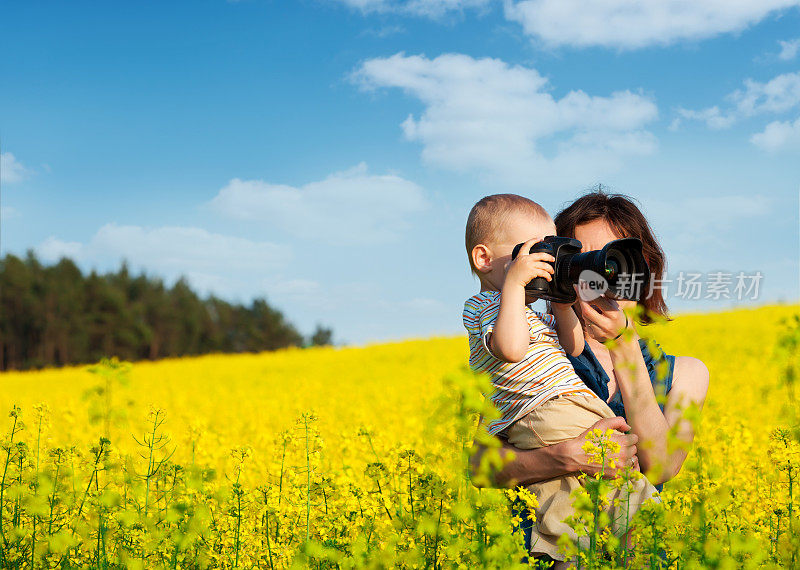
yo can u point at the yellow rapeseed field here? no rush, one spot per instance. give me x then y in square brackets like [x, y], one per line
[355, 457]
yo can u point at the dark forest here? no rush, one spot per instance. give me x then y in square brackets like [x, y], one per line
[53, 315]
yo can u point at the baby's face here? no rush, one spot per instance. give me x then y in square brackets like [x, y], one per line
[519, 228]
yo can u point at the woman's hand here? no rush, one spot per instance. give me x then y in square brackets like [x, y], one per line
[604, 317]
[624, 458]
[528, 466]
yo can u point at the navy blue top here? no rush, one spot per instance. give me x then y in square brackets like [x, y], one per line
[594, 376]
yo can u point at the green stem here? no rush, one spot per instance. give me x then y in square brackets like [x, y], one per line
[3, 480]
[436, 542]
[150, 446]
[308, 484]
[36, 490]
[269, 547]
[238, 524]
[280, 489]
[53, 500]
[791, 508]
[92, 476]
[411, 490]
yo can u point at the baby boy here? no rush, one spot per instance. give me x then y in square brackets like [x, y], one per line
[541, 399]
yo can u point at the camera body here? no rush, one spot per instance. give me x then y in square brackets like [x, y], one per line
[619, 268]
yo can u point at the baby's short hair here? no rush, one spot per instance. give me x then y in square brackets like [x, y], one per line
[487, 217]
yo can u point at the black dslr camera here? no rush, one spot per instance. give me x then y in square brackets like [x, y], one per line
[619, 268]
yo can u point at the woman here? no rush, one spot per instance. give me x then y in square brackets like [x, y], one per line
[625, 376]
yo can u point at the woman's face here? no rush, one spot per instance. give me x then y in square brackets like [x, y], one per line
[595, 234]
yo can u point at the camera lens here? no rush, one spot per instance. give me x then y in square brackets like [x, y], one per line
[611, 269]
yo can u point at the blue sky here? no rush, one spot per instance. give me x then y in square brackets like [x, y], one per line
[324, 154]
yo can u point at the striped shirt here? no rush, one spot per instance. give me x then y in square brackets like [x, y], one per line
[519, 387]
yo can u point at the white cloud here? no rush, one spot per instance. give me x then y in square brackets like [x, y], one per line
[779, 135]
[347, 207]
[211, 261]
[487, 116]
[11, 169]
[711, 116]
[789, 49]
[8, 212]
[426, 8]
[710, 212]
[778, 95]
[631, 24]
[696, 226]
[293, 288]
[53, 249]
[383, 31]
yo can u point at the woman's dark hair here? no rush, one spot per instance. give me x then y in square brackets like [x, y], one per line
[625, 218]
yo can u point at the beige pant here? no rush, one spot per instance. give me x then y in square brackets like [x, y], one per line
[562, 418]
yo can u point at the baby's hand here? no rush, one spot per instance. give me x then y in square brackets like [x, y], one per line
[528, 266]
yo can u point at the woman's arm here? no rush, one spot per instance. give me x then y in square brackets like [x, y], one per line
[657, 455]
[527, 466]
[607, 321]
[641, 407]
[690, 380]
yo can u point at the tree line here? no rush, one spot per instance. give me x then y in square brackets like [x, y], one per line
[54, 315]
